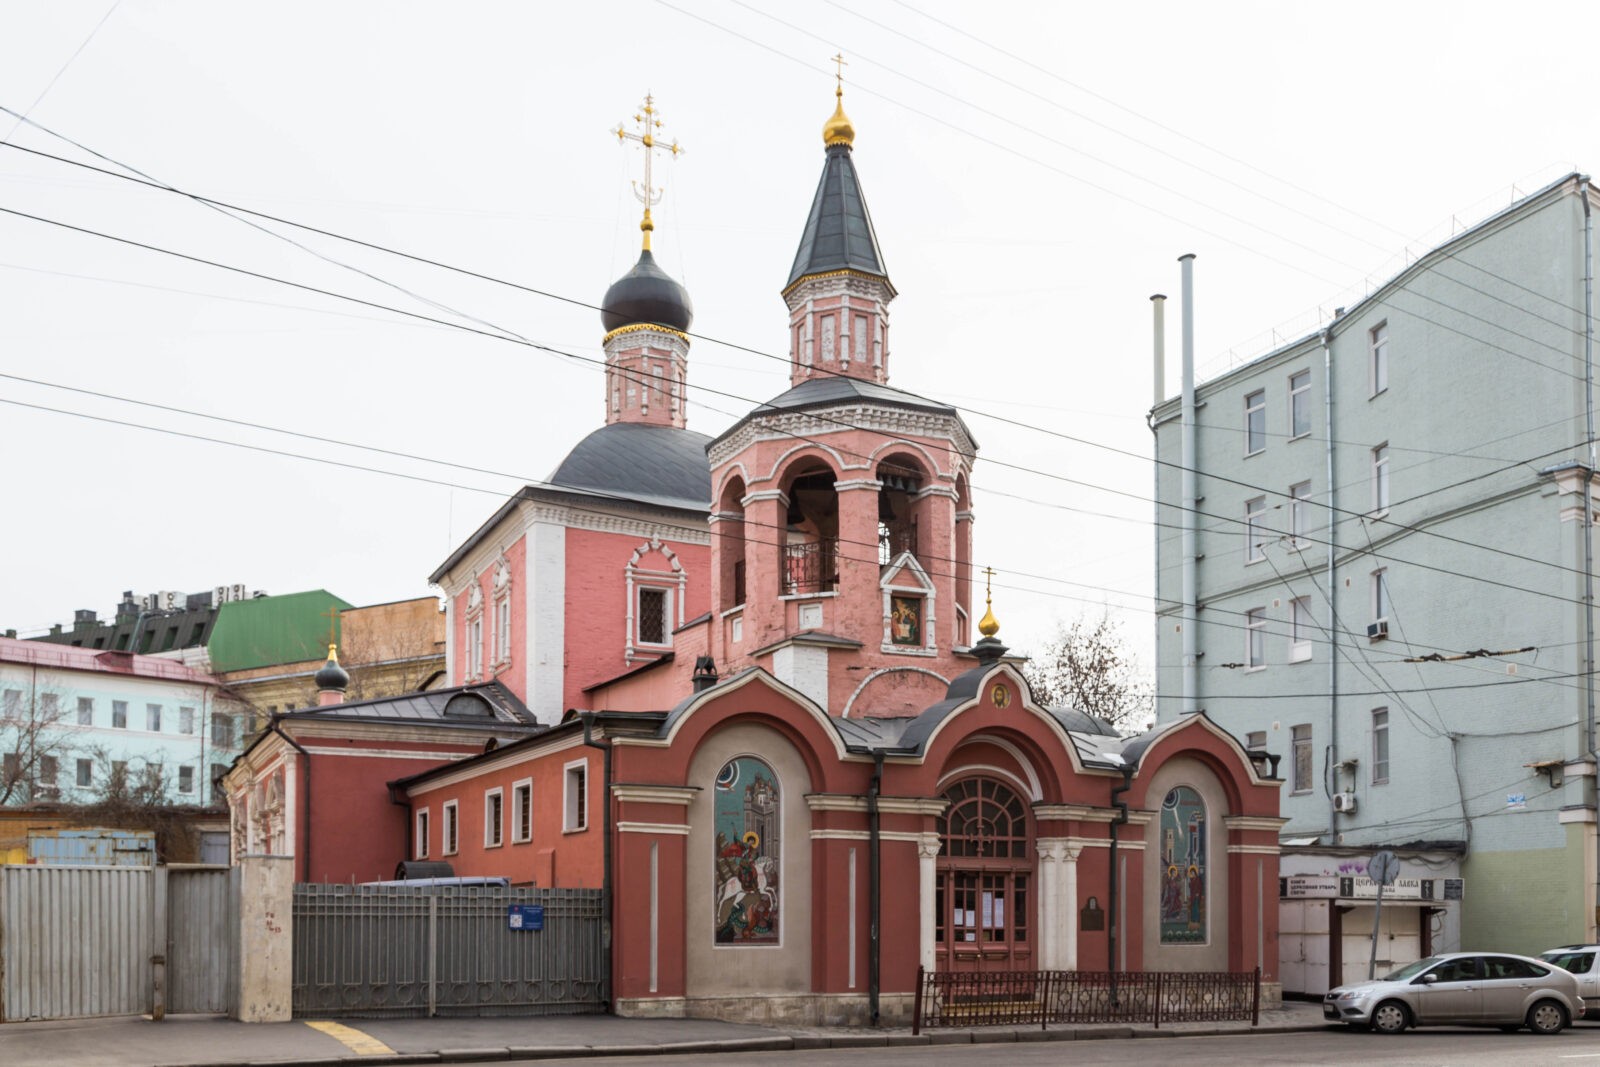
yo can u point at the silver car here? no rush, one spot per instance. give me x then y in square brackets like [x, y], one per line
[1462, 988]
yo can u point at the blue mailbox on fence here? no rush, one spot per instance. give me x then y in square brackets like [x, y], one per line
[525, 916]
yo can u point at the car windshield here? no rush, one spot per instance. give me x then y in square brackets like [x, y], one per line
[1576, 962]
[1410, 970]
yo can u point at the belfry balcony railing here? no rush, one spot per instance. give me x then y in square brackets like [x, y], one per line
[895, 539]
[811, 566]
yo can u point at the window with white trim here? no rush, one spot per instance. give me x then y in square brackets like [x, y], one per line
[1299, 512]
[1378, 346]
[1380, 478]
[186, 779]
[502, 630]
[452, 827]
[86, 711]
[1255, 638]
[1255, 529]
[494, 817]
[1255, 422]
[654, 616]
[1380, 746]
[522, 811]
[575, 807]
[1299, 404]
[1300, 739]
[1300, 627]
[474, 633]
[421, 843]
[1380, 594]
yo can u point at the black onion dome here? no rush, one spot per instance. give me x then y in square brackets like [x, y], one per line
[646, 294]
[330, 675]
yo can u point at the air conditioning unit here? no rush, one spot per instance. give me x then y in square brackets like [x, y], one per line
[1344, 802]
[1378, 630]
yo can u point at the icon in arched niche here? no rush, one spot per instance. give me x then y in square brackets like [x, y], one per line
[747, 813]
[1184, 875]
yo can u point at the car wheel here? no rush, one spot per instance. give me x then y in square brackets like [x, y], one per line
[1547, 1017]
[1391, 1017]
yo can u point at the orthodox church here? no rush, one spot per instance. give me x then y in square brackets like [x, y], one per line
[757, 710]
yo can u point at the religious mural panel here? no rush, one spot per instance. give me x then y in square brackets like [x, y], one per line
[1184, 878]
[905, 619]
[747, 812]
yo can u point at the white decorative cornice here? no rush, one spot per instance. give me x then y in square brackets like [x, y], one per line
[844, 282]
[783, 425]
[886, 805]
[655, 794]
[765, 494]
[1267, 824]
[858, 483]
[673, 829]
[625, 340]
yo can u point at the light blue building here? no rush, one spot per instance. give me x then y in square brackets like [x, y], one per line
[1392, 593]
[74, 720]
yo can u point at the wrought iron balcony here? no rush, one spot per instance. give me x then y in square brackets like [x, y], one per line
[811, 566]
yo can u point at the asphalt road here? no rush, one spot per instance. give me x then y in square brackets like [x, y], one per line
[1335, 1048]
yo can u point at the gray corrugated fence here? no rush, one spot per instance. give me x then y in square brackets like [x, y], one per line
[373, 951]
[82, 941]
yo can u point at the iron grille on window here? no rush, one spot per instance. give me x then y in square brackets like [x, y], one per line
[810, 566]
[652, 616]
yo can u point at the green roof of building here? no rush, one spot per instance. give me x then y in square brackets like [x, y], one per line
[274, 629]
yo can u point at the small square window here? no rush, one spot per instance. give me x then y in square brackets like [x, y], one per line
[575, 815]
[1255, 422]
[1256, 740]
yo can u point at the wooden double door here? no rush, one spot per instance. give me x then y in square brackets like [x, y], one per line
[983, 900]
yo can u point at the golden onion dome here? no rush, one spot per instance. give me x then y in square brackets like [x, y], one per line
[838, 129]
[988, 626]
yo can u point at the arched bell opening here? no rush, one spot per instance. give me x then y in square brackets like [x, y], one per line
[811, 531]
[729, 544]
[902, 509]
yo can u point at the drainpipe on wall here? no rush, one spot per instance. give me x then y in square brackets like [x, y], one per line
[874, 885]
[1191, 502]
[587, 717]
[1333, 589]
[304, 844]
[1588, 521]
[1121, 819]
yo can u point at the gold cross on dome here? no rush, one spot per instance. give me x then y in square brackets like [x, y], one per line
[839, 65]
[332, 615]
[988, 581]
[648, 123]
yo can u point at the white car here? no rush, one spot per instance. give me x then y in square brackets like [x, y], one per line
[1583, 962]
[1461, 988]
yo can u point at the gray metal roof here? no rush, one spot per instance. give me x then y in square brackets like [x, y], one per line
[470, 705]
[649, 464]
[838, 233]
[833, 390]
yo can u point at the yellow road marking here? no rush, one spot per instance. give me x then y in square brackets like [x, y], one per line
[351, 1038]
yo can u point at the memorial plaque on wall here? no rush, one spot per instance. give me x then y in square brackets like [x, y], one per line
[1092, 917]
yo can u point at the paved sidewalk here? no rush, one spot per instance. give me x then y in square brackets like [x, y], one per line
[195, 1040]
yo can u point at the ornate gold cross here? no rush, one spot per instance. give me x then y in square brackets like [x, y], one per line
[648, 124]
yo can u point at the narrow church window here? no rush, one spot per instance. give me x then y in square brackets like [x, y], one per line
[1184, 875]
[522, 812]
[452, 827]
[828, 350]
[422, 834]
[653, 628]
[577, 797]
[747, 816]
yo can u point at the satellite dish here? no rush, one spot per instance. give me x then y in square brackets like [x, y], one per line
[1384, 868]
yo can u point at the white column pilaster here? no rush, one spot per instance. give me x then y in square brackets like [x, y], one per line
[1048, 895]
[927, 853]
[1069, 905]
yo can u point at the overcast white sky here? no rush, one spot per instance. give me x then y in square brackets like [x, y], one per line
[1034, 171]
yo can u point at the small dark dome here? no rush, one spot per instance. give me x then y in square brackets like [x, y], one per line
[330, 675]
[646, 294]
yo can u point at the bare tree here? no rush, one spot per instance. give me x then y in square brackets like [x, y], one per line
[1088, 666]
[32, 743]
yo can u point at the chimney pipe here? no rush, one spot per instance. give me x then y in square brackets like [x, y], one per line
[1159, 385]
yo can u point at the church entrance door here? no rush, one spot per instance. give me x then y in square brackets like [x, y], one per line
[983, 898]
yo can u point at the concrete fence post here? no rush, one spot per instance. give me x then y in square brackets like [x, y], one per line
[266, 940]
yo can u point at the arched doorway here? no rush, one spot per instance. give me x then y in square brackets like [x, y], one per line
[983, 901]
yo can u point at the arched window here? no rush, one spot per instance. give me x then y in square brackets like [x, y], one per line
[982, 901]
[1184, 874]
[747, 815]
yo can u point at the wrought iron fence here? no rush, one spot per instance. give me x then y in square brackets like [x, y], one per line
[810, 566]
[1023, 998]
[376, 951]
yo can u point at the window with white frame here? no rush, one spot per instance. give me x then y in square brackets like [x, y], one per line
[474, 633]
[1255, 638]
[1378, 345]
[152, 718]
[1299, 512]
[1380, 478]
[1380, 594]
[11, 704]
[186, 720]
[1255, 529]
[1299, 404]
[1380, 746]
[502, 613]
[654, 615]
[1300, 629]
[575, 809]
[119, 714]
[49, 708]
[86, 711]
[452, 827]
[85, 774]
[186, 779]
[494, 823]
[421, 844]
[1300, 739]
[522, 811]
[1256, 741]
[1255, 422]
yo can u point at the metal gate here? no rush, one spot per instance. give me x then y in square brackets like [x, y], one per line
[374, 951]
[81, 941]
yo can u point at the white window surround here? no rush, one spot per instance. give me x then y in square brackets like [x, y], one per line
[1299, 404]
[522, 811]
[1380, 746]
[674, 581]
[1299, 513]
[473, 668]
[494, 817]
[1378, 358]
[421, 842]
[1255, 422]
[1380, 594]
[1300, 627]
[1255, 639]
[1255, 532]
[502, 614]
[1302, 768]
[452, 828]
[575, 797]
[1380, 479]
[905, 577]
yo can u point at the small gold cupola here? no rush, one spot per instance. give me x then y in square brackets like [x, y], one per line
[838, 129]
[988, 626]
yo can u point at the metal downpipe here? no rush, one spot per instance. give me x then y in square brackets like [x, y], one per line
[1191, 503]
[606, 899]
